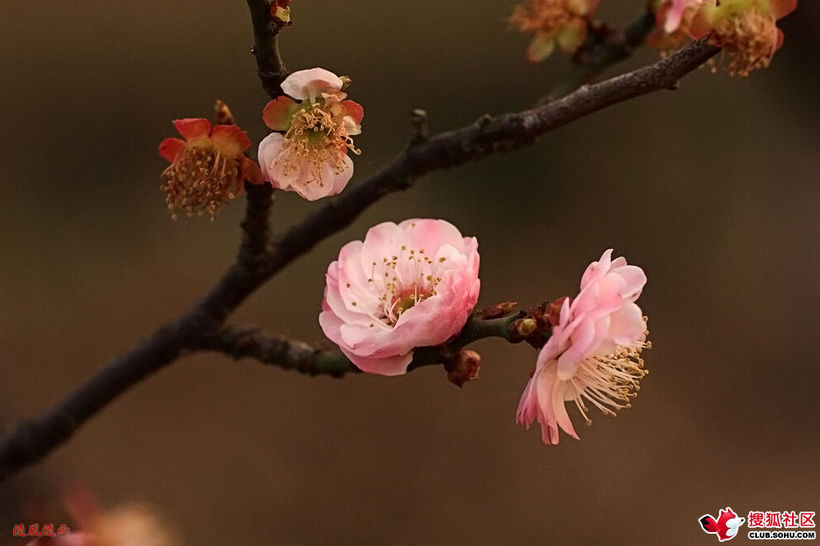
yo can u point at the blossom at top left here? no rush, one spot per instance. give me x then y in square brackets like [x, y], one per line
[207, 167]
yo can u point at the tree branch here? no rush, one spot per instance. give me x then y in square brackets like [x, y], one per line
[289, 354]
[266, 29]
[487, 136]
[604, 48]
[32, 440]
[255, 247]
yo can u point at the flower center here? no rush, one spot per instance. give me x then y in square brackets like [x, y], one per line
[200, 180]
[609, 381]
[751, 39]
[316, 135]
[403, 281]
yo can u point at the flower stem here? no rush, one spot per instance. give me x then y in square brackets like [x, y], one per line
[272, 68]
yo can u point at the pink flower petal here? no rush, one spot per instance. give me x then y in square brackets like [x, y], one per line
[278, 113]
[193, 128]
[354, 110]
[230, 139]
[308, 84]
[170, 148]
[268, 151]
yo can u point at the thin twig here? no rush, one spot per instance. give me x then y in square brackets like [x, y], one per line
[289, 354]
[271, 67]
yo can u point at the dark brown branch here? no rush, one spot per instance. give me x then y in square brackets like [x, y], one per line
[32, 440]
[604, 47]
[266, 29]
[289, 354]
[487, 136]
[277, 351]
[255, 227]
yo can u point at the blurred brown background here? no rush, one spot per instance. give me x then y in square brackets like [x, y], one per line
[712, 189]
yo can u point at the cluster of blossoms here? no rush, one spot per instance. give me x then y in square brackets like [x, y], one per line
[745, 29]
[306, 153]
[553, 21]
[415, 284]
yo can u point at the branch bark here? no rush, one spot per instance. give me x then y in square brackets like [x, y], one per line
[33, 439]
[289, 354]
[271, 67]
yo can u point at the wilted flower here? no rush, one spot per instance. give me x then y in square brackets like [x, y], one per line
[561, 21]
[745, 29]
[594, 353]
[310, 158]
[207, 168]
[408, 285]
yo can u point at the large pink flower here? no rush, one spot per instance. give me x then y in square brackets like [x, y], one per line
[593, 353]
[310, 158]
[405, 286]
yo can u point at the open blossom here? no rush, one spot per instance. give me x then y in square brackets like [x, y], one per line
[207, 167]
[594, 353]
[745, 29]
[405, 286]
[553, 21]
[310, 158]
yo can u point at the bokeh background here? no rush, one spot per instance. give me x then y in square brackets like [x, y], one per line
[712, 189]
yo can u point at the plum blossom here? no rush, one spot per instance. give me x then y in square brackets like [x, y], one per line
[745, 29]
[553, 21]
[407, 285]
[594, 352]
[310, 158]
[207, 167]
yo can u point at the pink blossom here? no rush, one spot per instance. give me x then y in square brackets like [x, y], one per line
[405, 286]
[593, 353]
[309, 155]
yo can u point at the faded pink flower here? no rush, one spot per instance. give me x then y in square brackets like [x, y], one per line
[405, 286]
[553, 21]
[745, 29]
[310, 158]
[671, 12]
[594, 352]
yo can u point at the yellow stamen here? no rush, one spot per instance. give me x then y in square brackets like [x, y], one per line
[750, 38]
[200, 180]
